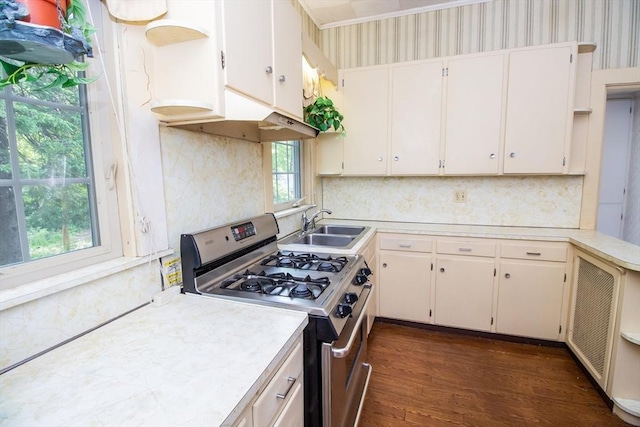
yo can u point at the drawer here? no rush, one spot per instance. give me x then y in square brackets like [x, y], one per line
[462, 247]
[408, 243]
[282, 383]
[541, 251]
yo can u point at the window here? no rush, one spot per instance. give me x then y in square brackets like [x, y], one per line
[55, 216]
[286, 172]
[46, 177]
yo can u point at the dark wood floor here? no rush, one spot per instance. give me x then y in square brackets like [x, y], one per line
[432, 378]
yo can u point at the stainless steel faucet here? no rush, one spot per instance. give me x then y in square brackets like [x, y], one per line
[306, 222]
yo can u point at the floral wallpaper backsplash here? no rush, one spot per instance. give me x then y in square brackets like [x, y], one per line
[30, 328]
[209, 181]
[501, 201]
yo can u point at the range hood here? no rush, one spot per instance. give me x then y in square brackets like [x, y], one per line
[250, 120]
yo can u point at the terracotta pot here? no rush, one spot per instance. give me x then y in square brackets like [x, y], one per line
[45, 12]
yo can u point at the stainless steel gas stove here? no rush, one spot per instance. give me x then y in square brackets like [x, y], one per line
[242, 261]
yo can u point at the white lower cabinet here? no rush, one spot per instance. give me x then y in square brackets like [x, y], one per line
[405, 277]
[464, 292]
[281, 401]
[511, 287]
[530, 298]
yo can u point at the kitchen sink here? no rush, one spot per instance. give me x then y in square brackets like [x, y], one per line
[337, 241]
[339, 229]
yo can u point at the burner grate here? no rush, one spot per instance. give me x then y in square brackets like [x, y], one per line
[306, 261]
[283, 284]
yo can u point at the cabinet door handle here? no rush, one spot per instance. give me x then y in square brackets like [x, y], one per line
[396, 158]
[291, 381]
[512, 155]
[534, 253]
[492, 156]
[384, 265]
[282, 78]
[379, 159]
[268, 69]
[464, 249]
[404, 245]
[441, 269]
[507, 275]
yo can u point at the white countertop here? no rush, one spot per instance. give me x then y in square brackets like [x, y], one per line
[192, 361]
[608, 248]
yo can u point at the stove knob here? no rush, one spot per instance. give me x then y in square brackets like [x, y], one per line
[350, 297]
[360, 279]
[366, 271]
[343, 310]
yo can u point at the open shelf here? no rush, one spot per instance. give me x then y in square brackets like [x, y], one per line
[165, 32]
[630, 406]
[631, 337]
[586, 47]
[175, 107]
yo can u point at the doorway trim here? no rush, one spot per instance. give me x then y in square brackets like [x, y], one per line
[602, 82]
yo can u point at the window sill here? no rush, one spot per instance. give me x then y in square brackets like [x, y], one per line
[51, 285]
[291, 211]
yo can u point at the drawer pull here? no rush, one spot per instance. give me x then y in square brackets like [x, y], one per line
[507, 275]
[534, 253]
[464, 249]
[291, 381]
[404, 245]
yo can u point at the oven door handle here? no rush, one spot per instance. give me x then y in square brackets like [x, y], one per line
[339, 353]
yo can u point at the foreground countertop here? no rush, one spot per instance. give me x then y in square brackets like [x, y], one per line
[193, 360]
[608, 248]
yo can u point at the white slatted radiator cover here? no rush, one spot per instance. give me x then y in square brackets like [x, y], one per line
[592, 317]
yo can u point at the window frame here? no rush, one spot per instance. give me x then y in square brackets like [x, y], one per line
[299, 163]
[102, 154]
[307, 195]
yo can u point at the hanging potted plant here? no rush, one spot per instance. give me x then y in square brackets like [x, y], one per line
[43, 41]
[324, 115]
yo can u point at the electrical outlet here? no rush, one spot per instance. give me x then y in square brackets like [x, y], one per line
[460, 196]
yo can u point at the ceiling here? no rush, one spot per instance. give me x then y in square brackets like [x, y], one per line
[332, 13]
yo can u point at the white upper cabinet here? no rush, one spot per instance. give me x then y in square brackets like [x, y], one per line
[474, 114]
[366, 120]
[211, 54]
[263, 52]
[492, 113]
[248, 48]
[287, 54]
[539, 109]
[416, 98]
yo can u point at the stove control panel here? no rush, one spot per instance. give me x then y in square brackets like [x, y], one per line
[242, 231]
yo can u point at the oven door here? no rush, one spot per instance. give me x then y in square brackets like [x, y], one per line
[345, 373]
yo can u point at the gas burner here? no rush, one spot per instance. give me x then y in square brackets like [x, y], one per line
[301, 291]
[306, 261]
[280, 283]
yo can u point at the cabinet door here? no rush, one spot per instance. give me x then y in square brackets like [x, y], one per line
[474, 113]
[530, 298]
[329, 151]
[293, 413]
[416, 98]
[287, 50]
[248, 48]
[366, 115]
[539, 110]
[405, 285]
[464, 292]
